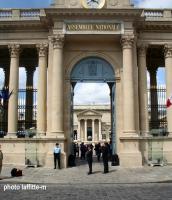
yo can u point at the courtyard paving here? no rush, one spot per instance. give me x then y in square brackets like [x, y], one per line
[78, 174]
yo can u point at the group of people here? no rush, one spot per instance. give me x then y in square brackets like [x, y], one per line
[86, 153]
[104, 150]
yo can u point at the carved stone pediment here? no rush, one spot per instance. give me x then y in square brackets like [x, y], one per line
[89, 113]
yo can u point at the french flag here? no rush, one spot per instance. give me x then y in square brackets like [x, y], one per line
[169, 102]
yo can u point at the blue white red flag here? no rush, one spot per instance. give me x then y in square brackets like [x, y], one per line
[169, 102]
[4, 96]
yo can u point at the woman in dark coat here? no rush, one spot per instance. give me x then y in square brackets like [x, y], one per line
[105, 152]
[89, 157]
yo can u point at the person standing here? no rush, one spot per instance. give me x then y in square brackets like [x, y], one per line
[105, 152]
[83, 150]
[57, 152]
[1, 159]
[89, 157]
[98, 151]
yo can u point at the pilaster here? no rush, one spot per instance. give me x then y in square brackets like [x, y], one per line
[57, 107]
[128, 86]
[42, 89]
[129, 148]
[143, 98]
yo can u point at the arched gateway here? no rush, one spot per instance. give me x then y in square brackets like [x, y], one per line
[95, 69]
[109, 37]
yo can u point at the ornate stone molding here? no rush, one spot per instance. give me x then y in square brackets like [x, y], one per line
[168, 51]
[57, 41]
[127, 41]
[142, 50]
[14, 50]
[42, 49]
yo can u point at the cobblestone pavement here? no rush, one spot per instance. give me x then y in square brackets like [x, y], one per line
[78, 174]
[147, 183]
[155, 191]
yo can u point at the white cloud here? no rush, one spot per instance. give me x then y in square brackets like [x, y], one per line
[1, 78]
[22, 78]
[91, 93]
[155, 4]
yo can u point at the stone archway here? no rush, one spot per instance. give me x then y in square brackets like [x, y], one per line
[94, 69]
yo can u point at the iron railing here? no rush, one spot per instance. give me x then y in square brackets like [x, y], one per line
[157, 110]
[27, 112]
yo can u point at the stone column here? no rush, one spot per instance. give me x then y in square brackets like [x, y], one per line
[42, 89]
[85, 132]
[128, 86]
[79, 130]
[168, 66]
[129, 153]
[143, 97]
[13, 86]
[154, 98]
[57, 128]
[29, 97]
[93, 131]
[100, 130]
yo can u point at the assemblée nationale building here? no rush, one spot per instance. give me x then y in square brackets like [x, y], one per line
[75, 41]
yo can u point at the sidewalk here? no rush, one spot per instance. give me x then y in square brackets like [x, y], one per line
[78, 175]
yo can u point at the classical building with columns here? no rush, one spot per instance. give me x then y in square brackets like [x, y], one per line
[92, 123]
[75, 41]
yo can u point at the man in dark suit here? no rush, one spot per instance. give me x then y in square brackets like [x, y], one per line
[89, 156]
[105, 152]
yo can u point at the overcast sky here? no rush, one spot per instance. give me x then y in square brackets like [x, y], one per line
[84, 93]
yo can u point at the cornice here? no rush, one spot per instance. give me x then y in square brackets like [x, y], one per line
[93, 12]
[22, 25]
[154, 25]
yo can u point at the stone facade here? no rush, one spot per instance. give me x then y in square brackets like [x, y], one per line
[56, 40]
[92, 123]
